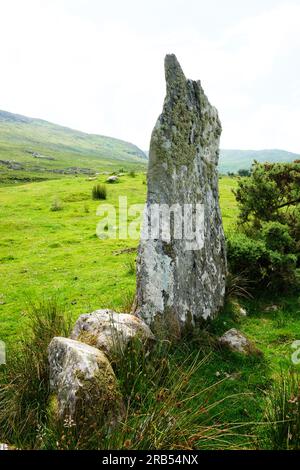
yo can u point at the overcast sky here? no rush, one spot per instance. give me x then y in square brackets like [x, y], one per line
[97, 65]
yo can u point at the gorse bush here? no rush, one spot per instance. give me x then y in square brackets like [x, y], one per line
[24, 384]
[267, 248]
[99, 191]
[262, 266]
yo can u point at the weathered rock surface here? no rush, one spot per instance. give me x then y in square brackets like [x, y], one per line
[110, 331]
[237, 342]
[181, 280]
[112, 179]
[81, 376]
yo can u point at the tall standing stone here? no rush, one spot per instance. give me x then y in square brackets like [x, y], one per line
[179, 280]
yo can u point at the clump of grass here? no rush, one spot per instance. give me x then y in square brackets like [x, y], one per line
[86, 208]
[282, 431]
[24, 384]
[132, 173]
[99, 191]
[56, 205]
[165, 408]
[237, 285]
[130, 266]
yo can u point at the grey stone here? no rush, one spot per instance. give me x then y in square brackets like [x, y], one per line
[81, 375]
[271, 308]
[110, 331]
[179, 281]
[243, 312]
[235, 341]
[112, 179]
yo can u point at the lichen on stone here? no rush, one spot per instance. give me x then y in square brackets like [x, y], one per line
[175, 284]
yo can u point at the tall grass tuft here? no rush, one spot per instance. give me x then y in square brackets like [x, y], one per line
[24, 384]
[56, 205]
[282, 431]
[130, 266]
[99, 191]
[165, 407]
[166, 403]
[237, 285]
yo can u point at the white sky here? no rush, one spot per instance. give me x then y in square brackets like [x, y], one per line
[97, 65]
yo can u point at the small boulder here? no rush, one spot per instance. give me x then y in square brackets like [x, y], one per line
[109, 331]
[271, 308]
[112, 179]
[242, 312]
[237, 342]
[81, 376]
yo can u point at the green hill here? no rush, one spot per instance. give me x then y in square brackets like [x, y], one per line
[234, 160]
[37, 149]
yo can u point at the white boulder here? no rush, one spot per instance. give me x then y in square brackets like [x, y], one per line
[237, 342]
[81, 375]
[109, 331]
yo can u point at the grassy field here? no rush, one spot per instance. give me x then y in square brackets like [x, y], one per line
[46, 253]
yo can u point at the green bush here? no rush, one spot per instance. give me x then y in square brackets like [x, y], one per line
[277, 237]
[262, 266]
[99, 191]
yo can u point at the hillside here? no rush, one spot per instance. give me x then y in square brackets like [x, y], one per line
[41, 149]
[234, 160]
[34, 149]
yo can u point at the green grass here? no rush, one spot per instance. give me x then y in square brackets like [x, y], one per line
[57, 253]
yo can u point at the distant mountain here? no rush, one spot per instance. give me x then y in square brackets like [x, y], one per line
[234, 160]
[34, 145]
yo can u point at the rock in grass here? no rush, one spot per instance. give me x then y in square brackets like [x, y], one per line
[182, 280]
[271, 308]
[82, 381]
[235, 341]
[112, 179]
[109, 331]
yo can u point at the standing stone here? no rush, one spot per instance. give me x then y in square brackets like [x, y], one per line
[181, 280]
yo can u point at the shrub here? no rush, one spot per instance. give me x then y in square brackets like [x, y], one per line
[56, 205]
[271, 193]
[262, 266]
[132, 174]
[244, 172]
[99, 191]
[277, 237]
